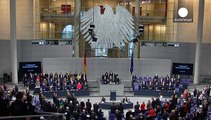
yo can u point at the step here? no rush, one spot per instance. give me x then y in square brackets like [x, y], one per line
[94, 89]
[128, 89]
[129, 94]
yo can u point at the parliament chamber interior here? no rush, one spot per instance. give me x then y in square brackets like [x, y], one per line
[105, 60]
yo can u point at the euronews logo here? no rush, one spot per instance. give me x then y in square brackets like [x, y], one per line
[184, 12]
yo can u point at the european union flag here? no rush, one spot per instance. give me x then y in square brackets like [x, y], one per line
[131, 64]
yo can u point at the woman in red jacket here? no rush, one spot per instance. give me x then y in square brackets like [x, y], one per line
[151, 114]
[79, 86]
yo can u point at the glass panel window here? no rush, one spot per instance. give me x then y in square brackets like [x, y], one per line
[68, 32]
[101, 52]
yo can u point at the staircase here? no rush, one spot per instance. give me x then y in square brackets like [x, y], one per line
[94, 88]
[128, 90]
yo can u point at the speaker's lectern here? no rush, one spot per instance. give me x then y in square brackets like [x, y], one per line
[112, 95]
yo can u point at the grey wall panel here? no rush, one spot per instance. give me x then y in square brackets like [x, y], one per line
[96, 67]
[4, 56]
[184, 54]
[28, 52]
[32, 52]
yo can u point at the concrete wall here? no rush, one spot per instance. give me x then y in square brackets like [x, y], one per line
[184, 54]
[4, 19]
[29, 52]
[98, 66]
[24, 19]
[5, 57]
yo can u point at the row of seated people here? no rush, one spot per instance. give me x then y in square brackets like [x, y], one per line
[186, 107]
[156, 83]
[110, 78]
[53, 82]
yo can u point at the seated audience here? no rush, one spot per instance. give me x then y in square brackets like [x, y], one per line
[54, 82]
[176, 108]
[159, 83]
[110, 78]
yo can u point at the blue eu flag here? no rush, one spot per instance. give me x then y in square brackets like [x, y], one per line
[131, 64]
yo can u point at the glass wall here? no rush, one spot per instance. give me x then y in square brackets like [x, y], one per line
[53, 16]
[55, 21]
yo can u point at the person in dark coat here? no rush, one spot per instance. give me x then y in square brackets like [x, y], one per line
[18, 107]
[118, 115]
[120, 108]
[88, 105]
[25, 80]
[82, 104]
[31, 108]
[83, 115]
[129, 114]
[55, 99]
[100, 114]
[95, 107]
[136, 107]
[4, 105]
[113, 108]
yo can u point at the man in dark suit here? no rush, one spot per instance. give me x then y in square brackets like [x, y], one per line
[106, 75]
[82, 104]
[113, 108]
[31, 80]
[96, 107]
[18, 107]
[4, 105]
[31, 108]
[111, 76]
[155, 78]
[25, 80]
[129, 114]
[56, 99]
[46, 75]
[88, 105]
[136, 107]
[195, 92]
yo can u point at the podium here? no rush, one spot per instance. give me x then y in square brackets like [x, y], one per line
[105, 89]
[112, 95]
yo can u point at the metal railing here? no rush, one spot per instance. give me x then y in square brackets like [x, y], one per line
[39, 116]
